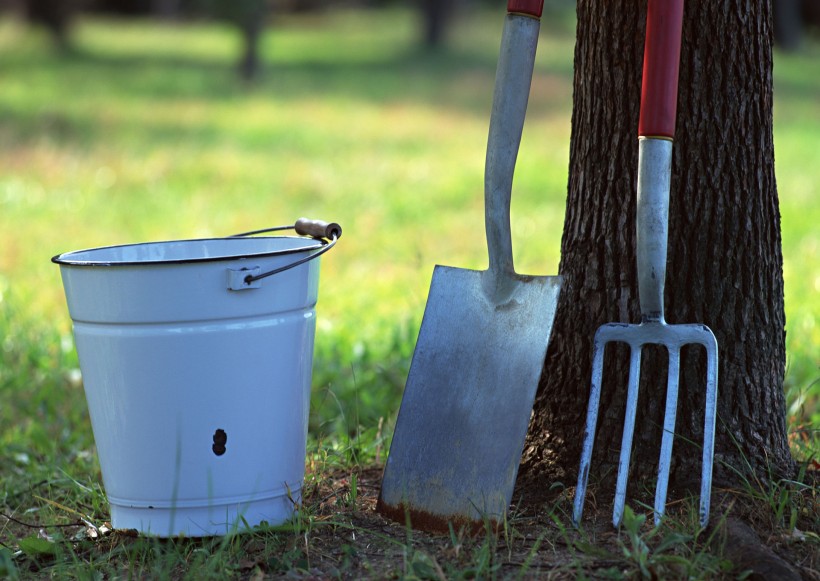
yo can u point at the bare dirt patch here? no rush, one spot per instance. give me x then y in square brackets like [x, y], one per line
[351, 540]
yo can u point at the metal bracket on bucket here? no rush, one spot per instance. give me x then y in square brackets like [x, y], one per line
[326, 233]
[237, 277]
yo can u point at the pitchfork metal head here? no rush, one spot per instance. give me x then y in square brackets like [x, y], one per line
[656, 130]
[673, 337]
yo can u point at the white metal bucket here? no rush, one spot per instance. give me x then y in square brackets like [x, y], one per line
[197, 384]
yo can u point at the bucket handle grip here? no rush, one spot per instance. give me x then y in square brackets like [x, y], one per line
[327, 233]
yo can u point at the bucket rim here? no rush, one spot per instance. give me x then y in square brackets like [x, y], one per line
[64, 259]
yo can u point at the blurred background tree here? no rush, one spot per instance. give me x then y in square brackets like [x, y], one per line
[792, 18]
[56, 16]
[436, 15]
[250, 17]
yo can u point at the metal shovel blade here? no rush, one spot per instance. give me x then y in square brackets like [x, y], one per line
[469, 396]
[483, 339]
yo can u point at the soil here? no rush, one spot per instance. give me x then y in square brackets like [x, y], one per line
[344, 537]
[538, 542]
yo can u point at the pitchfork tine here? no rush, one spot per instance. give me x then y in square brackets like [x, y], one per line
[668, 433]
[710, 342]
[629, 432]
[589, 431]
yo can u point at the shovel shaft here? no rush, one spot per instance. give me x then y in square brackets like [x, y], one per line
[510, 96]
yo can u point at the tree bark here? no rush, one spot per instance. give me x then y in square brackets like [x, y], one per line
[724, 264]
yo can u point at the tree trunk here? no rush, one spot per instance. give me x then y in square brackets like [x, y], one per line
[56, 17]
[788, 28]
[435, 18]
[724, 264]
[166, 9]
[249, 62]
[250, 16]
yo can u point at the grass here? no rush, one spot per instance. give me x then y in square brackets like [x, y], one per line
[144, 134]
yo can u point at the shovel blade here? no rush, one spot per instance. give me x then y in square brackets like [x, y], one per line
[468, 398]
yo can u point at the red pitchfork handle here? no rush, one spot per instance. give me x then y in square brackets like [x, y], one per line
[659, 87]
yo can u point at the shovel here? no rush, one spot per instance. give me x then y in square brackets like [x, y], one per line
[482, 343]
[656, 130]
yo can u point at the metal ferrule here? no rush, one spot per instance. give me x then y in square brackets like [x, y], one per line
[654, 171]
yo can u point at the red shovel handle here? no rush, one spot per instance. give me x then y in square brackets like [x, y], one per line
[529, 7]
[661, 60]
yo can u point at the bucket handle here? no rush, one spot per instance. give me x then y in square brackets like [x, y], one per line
[327, 233]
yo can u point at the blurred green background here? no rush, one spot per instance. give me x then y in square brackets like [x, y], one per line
[134, 128]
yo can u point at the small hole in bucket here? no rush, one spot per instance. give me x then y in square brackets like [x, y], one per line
[220, 439]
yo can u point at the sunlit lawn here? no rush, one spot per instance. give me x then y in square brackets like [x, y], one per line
[145, 134]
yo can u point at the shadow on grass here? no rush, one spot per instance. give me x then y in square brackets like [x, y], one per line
[108, 88]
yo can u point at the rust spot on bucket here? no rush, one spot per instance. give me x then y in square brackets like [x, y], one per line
[220, 439]
[422, 520]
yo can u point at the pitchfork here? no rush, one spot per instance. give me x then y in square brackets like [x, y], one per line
[656, 131]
